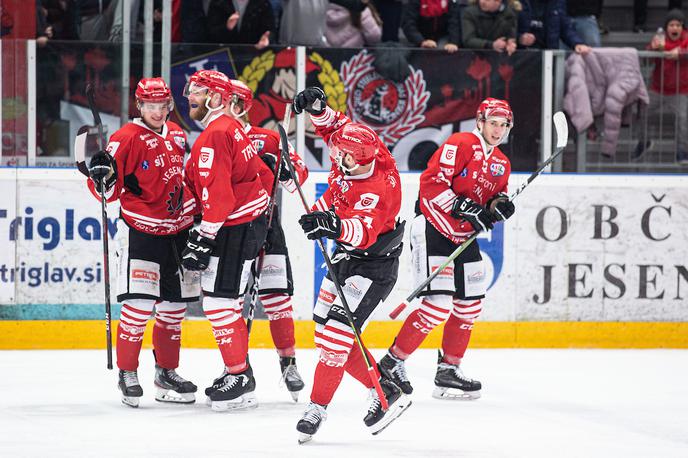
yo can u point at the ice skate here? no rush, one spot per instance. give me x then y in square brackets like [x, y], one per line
[291, 377]
[130, 388]
[394, 369]
[171, 387]
[309, 424]
[236, 394]
[451, 383]
[216, 385]
[377, 419]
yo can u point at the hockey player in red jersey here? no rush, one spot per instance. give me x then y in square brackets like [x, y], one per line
[276, 283]
[223, 176]
[143, 168]
[461, 192]
[358, 211]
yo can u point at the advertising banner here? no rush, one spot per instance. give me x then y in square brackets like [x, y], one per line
[579, 248]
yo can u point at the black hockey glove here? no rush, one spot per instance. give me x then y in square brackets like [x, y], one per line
[196, 255]
[474, 213]
[271, 161]
[321, 224]
[311, 99]
[501, 207]
[103, 170]
[132, 184]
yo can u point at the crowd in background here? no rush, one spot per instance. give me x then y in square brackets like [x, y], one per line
[502, 25]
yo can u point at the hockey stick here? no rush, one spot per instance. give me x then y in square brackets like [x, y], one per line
[562, 129]
[104, 222]
[340, 292]
[255, 287]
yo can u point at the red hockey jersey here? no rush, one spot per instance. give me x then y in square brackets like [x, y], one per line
[367, 204]
[267, 141]
[462, 166]
[157, 163]
[223, 174]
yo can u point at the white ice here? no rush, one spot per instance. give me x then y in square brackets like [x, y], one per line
[536, 403]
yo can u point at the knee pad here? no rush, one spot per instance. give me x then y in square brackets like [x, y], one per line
[434, 310]
[467, 310]
[335, 342]
[169, 315]
[222, 311]
[276, 306]
[135, 314]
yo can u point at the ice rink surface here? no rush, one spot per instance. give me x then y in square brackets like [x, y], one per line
[536, 403]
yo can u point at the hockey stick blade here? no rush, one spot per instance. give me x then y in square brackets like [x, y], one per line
[80, 149]
[561, 127]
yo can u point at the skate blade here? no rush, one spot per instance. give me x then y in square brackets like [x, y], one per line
[394, 412]
[163, 395]
[131, 401]
[303, 438]
[455, 394]
[294, 395]
[244, 402]
[208, 401]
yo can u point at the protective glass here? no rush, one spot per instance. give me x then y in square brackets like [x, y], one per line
[156, 107]
[194, 88]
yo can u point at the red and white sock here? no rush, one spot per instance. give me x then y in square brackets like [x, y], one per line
[279, 310]
[432, 312]
[229, 330]
[167, 333]
[457, 330]
[132, 325]
[335, 341]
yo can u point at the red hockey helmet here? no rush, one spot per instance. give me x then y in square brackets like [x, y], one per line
[212, 81]
[154, 90]
[495, 108]
[356, 139]
[240, 91]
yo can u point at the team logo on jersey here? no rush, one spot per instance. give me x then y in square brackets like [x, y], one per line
[258, 144]
[391, 109]
[174, 203]
[367, 201]
[179, 140]
[205, 159]
[497, 170]
[152, 143]
[145, 165]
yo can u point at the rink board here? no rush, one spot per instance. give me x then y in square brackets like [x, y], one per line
[586, 261]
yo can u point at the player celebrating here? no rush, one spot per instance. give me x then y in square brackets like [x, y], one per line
[276, 284]
[144, 170]
[461, 192]
[223, 177]
[358, 211]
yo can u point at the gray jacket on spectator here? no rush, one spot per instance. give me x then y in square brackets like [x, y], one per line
[480, 29]
[603, 82]
[342, 33]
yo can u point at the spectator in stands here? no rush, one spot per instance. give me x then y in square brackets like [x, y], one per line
[543, 23]
[640, 13]
[95, 18]
[669, 84]
[250, 22]
[303, 21]
[390, 14]
[194, 25]
[584, 14]
[432, 24]
[352, 29]
[61, 15]
[489, 24]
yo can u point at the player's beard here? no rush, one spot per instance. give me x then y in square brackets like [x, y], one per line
[199, 113]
